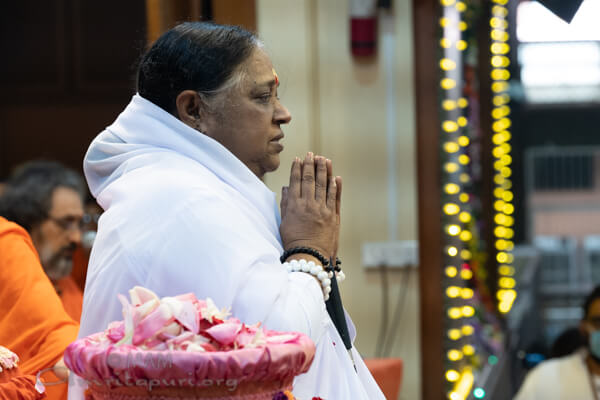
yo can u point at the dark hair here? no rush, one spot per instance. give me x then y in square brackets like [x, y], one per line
[567, 342]
[200, 56]
[28, 195]
[594, 295]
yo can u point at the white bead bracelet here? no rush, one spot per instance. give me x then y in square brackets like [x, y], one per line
[317, 271]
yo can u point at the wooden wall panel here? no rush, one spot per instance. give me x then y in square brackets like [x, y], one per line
[425, 16]
[67, 73]
[32, 44]
[60, 132]
[162, 15]
[235, 12]
[107, 44]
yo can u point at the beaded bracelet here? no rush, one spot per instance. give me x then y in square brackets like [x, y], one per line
[338, 262]
[304, 250]
[323, 275]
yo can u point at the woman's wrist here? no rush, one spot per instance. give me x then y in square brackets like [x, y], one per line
[302, 256]
[315, 252]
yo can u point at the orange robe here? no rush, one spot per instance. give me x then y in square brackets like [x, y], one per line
[71, 297]
[20, 388]
[33, 322]
[80, 265]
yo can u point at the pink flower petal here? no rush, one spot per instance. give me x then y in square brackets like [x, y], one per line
[160, 346]
[154, 344]
[140, 295]
[152, 324]
[115, 331]
[185, 312]
[244, 338]
[146, 308]
[282, 338]
[127, 320]
[191, 297]
[172, 330]
[178, 340]
[209, 347]
[224, 333]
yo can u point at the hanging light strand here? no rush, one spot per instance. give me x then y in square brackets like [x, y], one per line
[455, 208]
[501, 151]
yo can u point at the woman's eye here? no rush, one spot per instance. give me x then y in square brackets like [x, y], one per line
[265, 98]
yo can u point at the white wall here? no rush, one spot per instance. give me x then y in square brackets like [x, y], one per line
[338, 108]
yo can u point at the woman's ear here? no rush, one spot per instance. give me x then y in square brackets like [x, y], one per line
[191, 109]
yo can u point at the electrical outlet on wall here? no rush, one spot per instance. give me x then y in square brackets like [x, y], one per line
[392, 254]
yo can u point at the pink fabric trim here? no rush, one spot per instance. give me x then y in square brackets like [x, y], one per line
[119, 366]
[92, 394]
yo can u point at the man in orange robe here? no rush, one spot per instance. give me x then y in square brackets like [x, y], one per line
[33, 322]
[46, 199]
[71, 296]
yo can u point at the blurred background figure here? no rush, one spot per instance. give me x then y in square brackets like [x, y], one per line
[33, 321]
[576, 374]
[46, 199]
[568, 342]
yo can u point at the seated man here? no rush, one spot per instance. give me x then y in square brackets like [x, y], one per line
[33, 322]
[575, 376]
[46, 199]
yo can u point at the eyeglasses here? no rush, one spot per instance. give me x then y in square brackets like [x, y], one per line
[90, 218]
[69, 224]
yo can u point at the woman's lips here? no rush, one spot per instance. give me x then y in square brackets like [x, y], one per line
[275, 142]
[278, 146]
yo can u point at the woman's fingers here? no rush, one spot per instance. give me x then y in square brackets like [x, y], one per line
[284, 200]
[332, 194]
[296, 178]
[321, 180]
[338, 198]
[308, 177]
[311, 179]
[310, 205]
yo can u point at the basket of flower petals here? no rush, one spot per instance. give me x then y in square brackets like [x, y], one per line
[182, 347]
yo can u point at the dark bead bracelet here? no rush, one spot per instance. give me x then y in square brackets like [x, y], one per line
[304, 250]
[335, 267]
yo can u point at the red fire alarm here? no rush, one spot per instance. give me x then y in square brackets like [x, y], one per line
[363, 27]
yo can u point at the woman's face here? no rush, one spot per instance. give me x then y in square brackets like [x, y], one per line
[247, 118]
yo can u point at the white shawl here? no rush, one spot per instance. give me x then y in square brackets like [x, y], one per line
[183, 214]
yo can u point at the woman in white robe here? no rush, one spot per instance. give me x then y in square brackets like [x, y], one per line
[179, 177]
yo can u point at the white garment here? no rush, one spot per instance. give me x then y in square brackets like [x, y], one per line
[183, 214]
[564, 378]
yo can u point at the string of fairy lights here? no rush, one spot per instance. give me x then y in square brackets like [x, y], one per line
[503, 196]
[461, 349]
[456, 212]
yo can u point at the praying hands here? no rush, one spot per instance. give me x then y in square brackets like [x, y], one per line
[310, 206]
